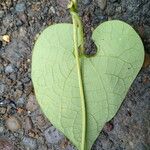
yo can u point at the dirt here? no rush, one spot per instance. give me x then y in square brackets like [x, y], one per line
[22, 124]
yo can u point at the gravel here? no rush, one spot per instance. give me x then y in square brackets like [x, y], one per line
[9, 69]
[102, 4]
[86, 2]
[20, 7]
[13, 124]
[30, 143]
[23, 20]
[6, 145]
[52, 135]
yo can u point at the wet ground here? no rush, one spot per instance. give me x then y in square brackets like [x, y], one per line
[22, 124]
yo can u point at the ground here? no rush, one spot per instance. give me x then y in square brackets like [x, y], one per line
[22, 124]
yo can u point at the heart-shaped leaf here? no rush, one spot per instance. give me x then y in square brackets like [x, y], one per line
[106, 77]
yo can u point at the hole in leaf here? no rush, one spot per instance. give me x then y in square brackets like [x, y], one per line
[90, 48]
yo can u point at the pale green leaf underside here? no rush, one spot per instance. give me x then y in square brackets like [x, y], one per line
[106, 77]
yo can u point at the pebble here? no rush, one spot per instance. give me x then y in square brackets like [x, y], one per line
[14, 51]
[52, 9]
[32, 104]
[9, 3]
[52, 135]
[3, 110]
[20, 102]
[40, 121]
[111, 10]
[9, 69]
[20, 7]
[13, 77]
[6, 145]
[98, 16]
[22, 32]
[69, 147]
[107, 144]
[33, 134]
[28, 124]
[1, 13]
[13, 124]
[2, 88]
[23, 18]
[43, 147]
[18, 93]
[6, 38]
[63, 3]
[1, 129]
[118, 9]
[64, 144]
[86, 2]
[102, 4]
[18, 23]
[29, 143]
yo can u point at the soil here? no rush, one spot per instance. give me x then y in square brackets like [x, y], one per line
[22, 124]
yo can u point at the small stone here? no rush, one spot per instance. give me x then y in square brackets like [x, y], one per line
[118, 9]
[86, 2]
[6, 145]
[9, 69]
[69, 147]
[2, 88]
[3, 110]
[28, 124]
[6, 38]
[18, 93]
[43, 147]
[20, 7]
[2, 129]
[1, 13]
[20, 102]
[18, 23]
[23, 17]
[15, 51]
[30, 143]
[52, 9]
[13, 77]
[40, 121]
[22, 32]
[28, 60]
[110, 10]
[52, 135]
[32, 104]
[9, 3]
[63, 3]
[13, 124]
[107, 144]
[64, 144]
[131, 144]
[32, 134]
[102, 4]
[20, 111]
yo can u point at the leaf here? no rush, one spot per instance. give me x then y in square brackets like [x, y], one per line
[106, 77]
